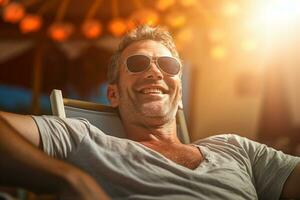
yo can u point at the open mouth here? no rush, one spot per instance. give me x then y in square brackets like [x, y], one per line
[152, 91]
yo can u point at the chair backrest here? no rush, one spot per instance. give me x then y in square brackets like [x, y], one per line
[104, 117]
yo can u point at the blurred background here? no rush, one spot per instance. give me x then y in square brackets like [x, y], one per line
[241, 62]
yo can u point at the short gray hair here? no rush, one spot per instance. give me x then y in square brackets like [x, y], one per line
[143, 32]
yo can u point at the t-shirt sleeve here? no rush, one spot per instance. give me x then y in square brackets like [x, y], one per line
[270, 167]
[61, 136]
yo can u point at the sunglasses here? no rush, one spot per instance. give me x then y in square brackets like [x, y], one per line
[140, 63]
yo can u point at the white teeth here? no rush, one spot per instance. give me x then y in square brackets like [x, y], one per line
[152, 91]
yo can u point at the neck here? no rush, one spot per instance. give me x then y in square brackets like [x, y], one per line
[152, 133]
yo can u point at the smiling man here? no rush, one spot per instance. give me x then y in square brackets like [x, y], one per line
[147, 92]
[151, 163]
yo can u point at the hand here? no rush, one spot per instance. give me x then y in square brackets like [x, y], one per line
[26, 165]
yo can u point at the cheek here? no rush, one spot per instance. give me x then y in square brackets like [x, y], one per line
[176, 84]
[125, 88]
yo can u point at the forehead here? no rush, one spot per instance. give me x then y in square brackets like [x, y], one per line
[147, 47]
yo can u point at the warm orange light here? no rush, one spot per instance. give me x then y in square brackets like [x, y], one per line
[163, 5]
[231, 9]
[145, 16]
[117, 27]
[218, 52]
[215, 35]
[248, 45]
[3, 2]
[30, 23]
[185, 35]
[13, 12]
[274, 16]
[130, 25]
[60, 31]
[175, 19]
[91, 29]
[183, 38]
[188, 3]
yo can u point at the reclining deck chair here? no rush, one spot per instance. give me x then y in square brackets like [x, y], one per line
[102, 116]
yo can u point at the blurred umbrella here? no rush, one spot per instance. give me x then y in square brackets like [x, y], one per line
[47, 66]
[67, 44]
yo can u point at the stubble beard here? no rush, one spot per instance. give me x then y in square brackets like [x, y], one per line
[160, 111]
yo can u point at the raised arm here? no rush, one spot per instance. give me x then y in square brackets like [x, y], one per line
[23, 164]
[291, 186]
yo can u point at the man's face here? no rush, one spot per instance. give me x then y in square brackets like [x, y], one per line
[151, 94]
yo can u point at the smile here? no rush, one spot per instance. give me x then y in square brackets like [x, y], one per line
[152, 91]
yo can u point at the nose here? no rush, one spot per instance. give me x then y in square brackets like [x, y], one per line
[154, 72]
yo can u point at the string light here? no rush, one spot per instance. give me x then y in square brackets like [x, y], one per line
[60, 31]
[91, 29]
[117, 27]
[13, 12]
[30, 23]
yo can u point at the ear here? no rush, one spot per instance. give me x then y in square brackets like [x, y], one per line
[113, 95]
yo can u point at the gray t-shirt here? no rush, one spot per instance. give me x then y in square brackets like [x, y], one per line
[234, 167]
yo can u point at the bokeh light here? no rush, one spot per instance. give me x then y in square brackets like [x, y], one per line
[184, 37]
[30, 23]
[60, 31]
[175, 19]
[13, 12]
[231, 9]
[145, 16]
[163, 5]
[117, 27]
[218, 52]
[91, 29]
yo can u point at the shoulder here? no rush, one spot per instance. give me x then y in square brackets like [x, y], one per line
[48, 121]
[232, 139]
[78, 126]
[227, 143]
[61, 136]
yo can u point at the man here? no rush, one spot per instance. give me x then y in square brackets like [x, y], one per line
[145, 86]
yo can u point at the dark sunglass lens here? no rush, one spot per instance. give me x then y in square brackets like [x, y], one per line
[137, 63]
[169, 65]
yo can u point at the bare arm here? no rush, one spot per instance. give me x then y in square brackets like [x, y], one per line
[291, 186]
[22, 164]
[24, 125]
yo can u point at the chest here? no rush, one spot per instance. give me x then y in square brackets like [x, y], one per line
[149, 175]
[185, 155]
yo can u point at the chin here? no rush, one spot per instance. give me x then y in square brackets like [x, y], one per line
[153, 110]
[153, 113]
